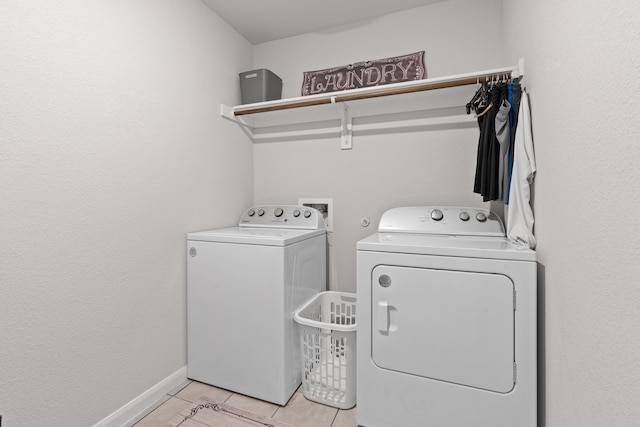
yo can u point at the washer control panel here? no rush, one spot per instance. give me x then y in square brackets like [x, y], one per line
[447, 220]
[282, 216]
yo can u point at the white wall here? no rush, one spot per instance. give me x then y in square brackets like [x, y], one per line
[383, 170]
[582, 74]
[110, 151]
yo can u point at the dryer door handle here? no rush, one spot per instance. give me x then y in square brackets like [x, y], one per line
[382, 317]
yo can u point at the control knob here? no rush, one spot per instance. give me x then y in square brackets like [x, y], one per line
[436, 215]
[307, 214]
[464, 216]
[481, 217]
[251, 212]
[261, 212]
[296, 213]
[278, 212]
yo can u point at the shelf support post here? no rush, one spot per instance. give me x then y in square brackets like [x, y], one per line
[346, 125]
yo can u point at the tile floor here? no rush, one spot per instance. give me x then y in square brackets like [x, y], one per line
[299, 411]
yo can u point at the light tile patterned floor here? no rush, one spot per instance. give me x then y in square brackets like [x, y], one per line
[298, 412]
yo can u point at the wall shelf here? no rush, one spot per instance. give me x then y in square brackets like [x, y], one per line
[400, 106]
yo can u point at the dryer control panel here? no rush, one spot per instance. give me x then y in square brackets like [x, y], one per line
[448, 220]
[282, 216]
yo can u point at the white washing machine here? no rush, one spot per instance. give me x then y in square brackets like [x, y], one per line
[243, 286]
[446, 322]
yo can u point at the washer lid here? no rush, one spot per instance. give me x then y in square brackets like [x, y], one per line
[255, 236]
[447, 245]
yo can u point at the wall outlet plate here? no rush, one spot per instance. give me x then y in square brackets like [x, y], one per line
[325, 206]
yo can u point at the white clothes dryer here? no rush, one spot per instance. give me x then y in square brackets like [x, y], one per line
[244, 285]
[446, 322]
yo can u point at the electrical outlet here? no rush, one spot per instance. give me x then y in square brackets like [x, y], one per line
[325, 206]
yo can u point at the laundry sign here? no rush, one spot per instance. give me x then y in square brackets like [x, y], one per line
[365, 74]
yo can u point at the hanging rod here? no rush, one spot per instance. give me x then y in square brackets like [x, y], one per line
[379, 91]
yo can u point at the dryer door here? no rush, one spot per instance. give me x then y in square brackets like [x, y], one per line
[452, 326]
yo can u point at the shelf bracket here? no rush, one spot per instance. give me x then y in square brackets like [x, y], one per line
[346, 125]
[226, 112]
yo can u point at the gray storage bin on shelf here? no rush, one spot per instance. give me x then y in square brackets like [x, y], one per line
[259, 86]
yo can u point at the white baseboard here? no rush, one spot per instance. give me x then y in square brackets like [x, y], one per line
[129, 412]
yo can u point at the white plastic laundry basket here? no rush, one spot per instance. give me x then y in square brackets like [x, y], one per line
[328, 346]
